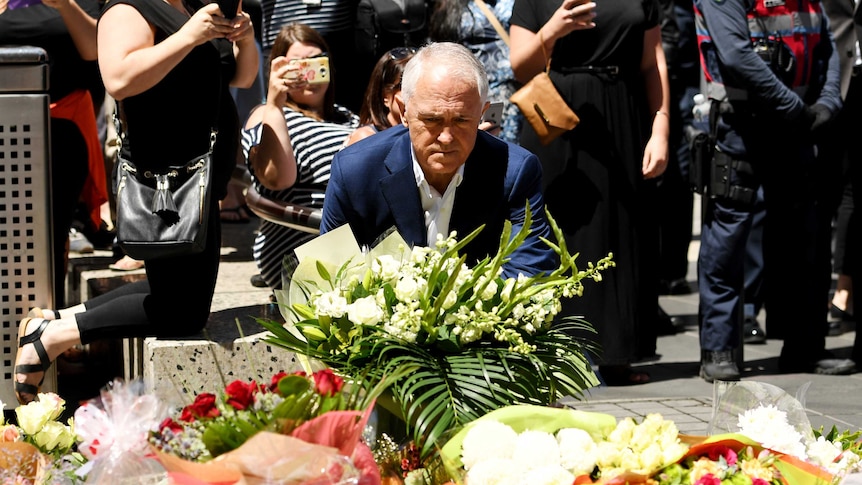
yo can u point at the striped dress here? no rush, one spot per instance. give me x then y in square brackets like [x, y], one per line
[314, 143]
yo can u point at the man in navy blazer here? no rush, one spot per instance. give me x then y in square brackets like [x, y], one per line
[459, 179]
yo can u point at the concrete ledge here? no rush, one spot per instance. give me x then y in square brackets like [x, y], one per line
[231, 348]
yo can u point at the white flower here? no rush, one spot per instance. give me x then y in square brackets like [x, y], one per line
[536, 449]
[768, 425]
[548, 475]
[386, 267]
[450, 300]
[577, 450]
[487, 439]
[365, 311]
[494, 471]
[823, 452]
[490, 290]
[407, 289]
[331, 304]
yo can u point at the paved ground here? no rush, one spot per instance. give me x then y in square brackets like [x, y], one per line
[675, 390]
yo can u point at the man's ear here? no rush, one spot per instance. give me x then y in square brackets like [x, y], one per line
[485, 108]
[400, 106]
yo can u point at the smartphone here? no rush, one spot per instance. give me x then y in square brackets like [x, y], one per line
[494, 113]
[229, 8]
[314, 70]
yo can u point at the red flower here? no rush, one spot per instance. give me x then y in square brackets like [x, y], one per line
[203, 407]
[240, 395]
[273, 385]
[708, 479]
[326, 383]
[300, 373]
[171, 425]
[719, 451]
[759, 481]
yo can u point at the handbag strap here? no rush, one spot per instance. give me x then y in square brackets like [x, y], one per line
[544, 52]
[493, 19]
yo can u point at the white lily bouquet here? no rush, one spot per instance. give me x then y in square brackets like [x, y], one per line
[463, 341]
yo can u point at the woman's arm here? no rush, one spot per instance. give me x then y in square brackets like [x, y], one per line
[82, 27]
[245, 51]
[272, 159]
[654, 71]
[527, 53]
[129, 59]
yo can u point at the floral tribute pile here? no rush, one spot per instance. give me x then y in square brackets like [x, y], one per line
[39, 448]
[299, 429]
[466, 340]
[546, 446]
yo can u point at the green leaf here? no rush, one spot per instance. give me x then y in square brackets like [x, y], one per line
[322, 271]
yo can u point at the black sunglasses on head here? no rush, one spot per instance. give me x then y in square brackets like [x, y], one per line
[401, 52]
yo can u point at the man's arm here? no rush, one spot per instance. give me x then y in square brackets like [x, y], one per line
[534, 256]
[335, 200]
[728, 28]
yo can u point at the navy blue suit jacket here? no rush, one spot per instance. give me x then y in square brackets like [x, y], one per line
[373, 188]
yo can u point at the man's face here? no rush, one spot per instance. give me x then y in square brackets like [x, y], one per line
[443, 117]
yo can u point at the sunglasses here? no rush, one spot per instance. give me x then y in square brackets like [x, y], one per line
[399, 53]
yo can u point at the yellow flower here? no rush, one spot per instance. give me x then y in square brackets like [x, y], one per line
[33, 416]
[53, 436]
[755, 469]
[702, 468]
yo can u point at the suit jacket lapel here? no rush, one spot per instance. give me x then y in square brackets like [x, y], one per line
[402, 196]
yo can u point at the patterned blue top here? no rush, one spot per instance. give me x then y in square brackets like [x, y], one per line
[479, 35]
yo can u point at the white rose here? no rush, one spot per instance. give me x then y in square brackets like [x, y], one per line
[365, 311]
[407, 289]
[386, 267]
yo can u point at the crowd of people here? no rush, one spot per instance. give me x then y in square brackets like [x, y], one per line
[408, 147]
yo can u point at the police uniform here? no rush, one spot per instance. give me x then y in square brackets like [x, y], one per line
[771, 72]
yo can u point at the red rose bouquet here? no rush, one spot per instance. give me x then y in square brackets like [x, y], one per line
[212, 425]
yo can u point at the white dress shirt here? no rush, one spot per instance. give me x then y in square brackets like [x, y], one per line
[437, 207]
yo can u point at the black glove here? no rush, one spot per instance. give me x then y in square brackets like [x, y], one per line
[821, 114]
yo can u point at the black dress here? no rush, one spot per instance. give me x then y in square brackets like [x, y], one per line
[592, 175]
[169, 124]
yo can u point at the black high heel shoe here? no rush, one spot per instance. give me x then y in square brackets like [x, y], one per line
[23, 389]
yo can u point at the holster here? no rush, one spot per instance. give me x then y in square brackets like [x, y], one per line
[701, 149]
[720, 185]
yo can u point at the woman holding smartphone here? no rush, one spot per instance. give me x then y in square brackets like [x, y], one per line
[599, 179]
[289, 142]
[169, 64]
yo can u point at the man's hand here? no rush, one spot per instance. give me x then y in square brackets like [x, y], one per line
[821, 117]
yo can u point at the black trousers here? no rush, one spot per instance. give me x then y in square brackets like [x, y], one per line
[174, 300]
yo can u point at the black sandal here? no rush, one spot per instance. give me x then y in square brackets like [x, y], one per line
[34, 338]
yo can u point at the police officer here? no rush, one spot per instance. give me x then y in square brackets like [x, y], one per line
[772, 76]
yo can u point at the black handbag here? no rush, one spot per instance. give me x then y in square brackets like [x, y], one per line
[165, 214]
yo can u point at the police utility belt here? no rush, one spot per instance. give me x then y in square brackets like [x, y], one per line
[711, 171]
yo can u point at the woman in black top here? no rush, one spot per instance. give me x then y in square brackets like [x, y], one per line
[599, 179]
[170, 64]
